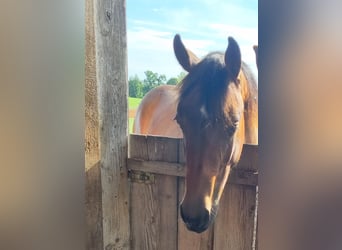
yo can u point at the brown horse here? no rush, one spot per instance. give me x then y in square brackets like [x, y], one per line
[156, 112]
[256, 48]
[216, 108]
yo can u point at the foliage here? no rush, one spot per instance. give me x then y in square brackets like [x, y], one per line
[133, 104]
[181, 76]
[135, 87]
[172, 81]
[138, 88]
[152, 80]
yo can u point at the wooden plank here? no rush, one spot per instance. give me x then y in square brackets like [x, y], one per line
[153, 214]
[234, 224]
[93, 206]
[234, 227]
[145, 147]
[162, 149]
[243, 177]
[111, 72]
[157, 167]
[237, 206]
[237, 176]
[188, 240]
[138, 147]
[249, 158]
[154, 206]
[181, 151]
[91, 108]
[256, 223]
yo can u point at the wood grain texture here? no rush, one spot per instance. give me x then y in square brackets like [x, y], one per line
[154, 206]
[234, 224]
[93, 202]
[237, 176]
[245, 173]
[157, 167]
[153, 214]
[91, 109]
[256, 223]
[93, 205]
[111, 72]
[189, 240]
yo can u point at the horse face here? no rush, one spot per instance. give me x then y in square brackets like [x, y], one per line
[210, 114]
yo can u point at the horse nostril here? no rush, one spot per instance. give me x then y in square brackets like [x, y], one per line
[206, 217]
[197, 224]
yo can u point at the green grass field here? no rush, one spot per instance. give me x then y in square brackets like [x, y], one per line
[133, 103]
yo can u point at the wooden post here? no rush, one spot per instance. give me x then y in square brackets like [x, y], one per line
[234, 225]
[154, 205]
[111, 72]
[93, 191]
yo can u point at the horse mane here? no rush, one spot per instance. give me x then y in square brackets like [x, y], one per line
[253, 86]
[210, 75]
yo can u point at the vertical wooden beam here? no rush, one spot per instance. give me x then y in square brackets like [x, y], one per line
[234, 225]
[111, 71]
[154, 205]
[93, 191]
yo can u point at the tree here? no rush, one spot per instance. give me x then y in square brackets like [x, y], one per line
[152, 80]
[176, 80]
[135, 87]
[138, 88]
[181, 76]
[172, 81]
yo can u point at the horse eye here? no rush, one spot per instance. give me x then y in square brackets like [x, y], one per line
[231, 130]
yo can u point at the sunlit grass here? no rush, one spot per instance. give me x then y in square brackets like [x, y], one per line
[133, 103]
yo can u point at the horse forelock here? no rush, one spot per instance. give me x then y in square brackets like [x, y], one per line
[209, 78]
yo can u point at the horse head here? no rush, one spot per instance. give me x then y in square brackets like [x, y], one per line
[210, 113]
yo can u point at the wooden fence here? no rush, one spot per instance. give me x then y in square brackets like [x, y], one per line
[133, 188]
[156, 170]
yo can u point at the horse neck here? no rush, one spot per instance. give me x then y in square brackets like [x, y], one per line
[250, 95]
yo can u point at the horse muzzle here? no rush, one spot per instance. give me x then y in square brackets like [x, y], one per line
[196, 224]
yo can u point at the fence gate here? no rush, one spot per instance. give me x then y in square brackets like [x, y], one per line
[143, 213]
[156, 172]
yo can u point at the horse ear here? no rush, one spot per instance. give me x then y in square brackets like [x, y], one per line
[232, 58]
[185, 57]
[255, 47]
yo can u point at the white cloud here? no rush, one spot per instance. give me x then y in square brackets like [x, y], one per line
[143, 38]
[241, 33]
[150, 42]
[151, 49]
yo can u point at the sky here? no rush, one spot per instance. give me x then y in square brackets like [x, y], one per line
[204, 26]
